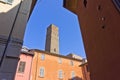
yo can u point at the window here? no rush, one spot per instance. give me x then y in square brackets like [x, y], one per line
[85, 3]
[71, 63]
[72, 75]
[60, 61]
[42, 72]
[42, 56]
[54, 49]
[21, 67]
[60, 74]
[117, 4]
[7, 1]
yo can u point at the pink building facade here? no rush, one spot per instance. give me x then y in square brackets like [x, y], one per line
[23, 71]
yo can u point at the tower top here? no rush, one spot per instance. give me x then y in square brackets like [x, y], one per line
[53, 27]
[52, 39]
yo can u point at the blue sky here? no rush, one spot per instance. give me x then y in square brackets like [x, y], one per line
[48, 12]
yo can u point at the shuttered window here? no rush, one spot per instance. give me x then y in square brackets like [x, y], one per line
[60, 74]
[71, 63]
[21, 67]
[42, 72]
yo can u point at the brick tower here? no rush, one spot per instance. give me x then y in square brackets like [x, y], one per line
[52, 39]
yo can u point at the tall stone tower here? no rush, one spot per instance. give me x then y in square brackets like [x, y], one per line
[52, 39]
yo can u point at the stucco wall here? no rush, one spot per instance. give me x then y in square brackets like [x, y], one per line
[27, 71]
[52, 66]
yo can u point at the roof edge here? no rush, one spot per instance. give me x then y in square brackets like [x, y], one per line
[58, 55]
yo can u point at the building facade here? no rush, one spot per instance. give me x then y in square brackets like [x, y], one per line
[51, 66]
[24, 66]
[100, 25]
[14, 15]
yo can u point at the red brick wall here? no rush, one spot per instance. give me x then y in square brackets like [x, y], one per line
[27, 70]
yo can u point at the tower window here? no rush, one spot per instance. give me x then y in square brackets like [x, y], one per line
[117, 4]
[54, 49]
[99, 7]
[85, 3]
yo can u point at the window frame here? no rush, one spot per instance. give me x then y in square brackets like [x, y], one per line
[21, 67]
[42, 56]
[42, 72]
[60, 60]
[60, 74]
[72, 74]
[54, 49]
[71, 63]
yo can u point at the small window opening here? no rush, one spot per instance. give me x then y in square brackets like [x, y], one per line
[99, 7]
[103, 27]
[85, 3]
[54, 49]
